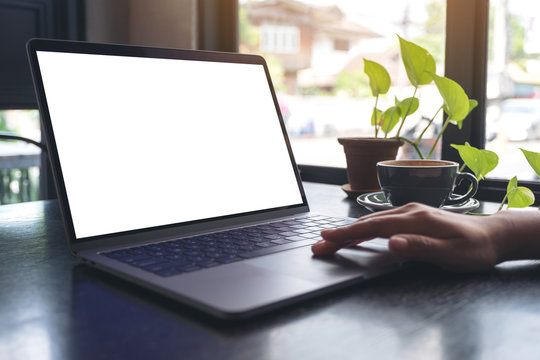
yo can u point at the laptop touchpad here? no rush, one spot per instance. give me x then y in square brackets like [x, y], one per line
[347, 263]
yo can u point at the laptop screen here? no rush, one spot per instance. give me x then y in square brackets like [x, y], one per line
[145, 142]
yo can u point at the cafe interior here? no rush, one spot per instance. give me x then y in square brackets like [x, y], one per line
[55, 306]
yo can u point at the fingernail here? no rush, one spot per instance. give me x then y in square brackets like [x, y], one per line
[319, 248]
[321, 244]
[399, 245]
[318, 243]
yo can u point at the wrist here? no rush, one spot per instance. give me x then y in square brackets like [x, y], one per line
[516, 234]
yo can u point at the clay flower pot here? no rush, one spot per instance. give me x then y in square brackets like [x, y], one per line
[362, 155]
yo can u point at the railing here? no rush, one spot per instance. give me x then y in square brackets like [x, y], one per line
[19, 172]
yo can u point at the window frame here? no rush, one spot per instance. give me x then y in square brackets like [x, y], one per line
[466, 63]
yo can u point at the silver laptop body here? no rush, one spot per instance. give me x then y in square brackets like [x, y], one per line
[155, 146]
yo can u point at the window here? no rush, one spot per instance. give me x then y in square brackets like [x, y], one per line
[513, 85]
[341, 45]
[281, 39]
[315, 52]
[20, 162]
[472, 38]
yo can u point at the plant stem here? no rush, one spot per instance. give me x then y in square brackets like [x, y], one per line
[374, 115]
[438, 138]
[407, 112]
[428, 125]
[502, 203]
[414, 145]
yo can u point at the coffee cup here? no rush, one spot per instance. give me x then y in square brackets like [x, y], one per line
[429, 182]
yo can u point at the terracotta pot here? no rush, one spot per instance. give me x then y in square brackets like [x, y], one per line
[362, 156]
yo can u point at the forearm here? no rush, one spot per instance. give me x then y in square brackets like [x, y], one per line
[517, 234]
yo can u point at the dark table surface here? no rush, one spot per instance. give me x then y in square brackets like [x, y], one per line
[51, 307]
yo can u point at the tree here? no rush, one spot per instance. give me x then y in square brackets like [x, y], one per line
[249, 34]
[434, 30]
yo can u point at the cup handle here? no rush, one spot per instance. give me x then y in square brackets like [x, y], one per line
[457, 199]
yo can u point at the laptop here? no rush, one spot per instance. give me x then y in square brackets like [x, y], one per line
[174, 171]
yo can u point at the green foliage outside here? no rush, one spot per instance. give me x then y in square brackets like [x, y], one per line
[28, 119]
[434, 30]
[249, 34]
[277, 73]
[516, 39]
[352, 83]
[3, 122]
[315, 91]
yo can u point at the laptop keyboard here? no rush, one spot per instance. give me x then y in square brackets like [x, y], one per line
[184, 255]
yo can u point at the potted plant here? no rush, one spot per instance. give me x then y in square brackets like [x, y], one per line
[362, 154]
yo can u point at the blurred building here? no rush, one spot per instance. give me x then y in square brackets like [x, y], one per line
[312, 43]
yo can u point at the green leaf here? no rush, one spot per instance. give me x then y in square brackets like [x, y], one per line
[518, 196]
[376, 117]
[419, 63]
[456, 103]
[379, 79]
[480, 161]
[512, 185]
[534, 160]
[472, 104]
[407, 106]
[390, 118]
[521, 197]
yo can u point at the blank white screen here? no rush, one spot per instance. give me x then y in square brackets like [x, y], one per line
[146, 142]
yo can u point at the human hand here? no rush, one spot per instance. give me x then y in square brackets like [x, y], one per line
[456, 242]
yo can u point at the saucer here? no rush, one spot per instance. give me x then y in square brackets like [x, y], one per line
[376, 201]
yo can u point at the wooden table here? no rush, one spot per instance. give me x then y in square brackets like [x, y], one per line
[51, 307]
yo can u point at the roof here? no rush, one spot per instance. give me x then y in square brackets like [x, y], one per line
[327, 19]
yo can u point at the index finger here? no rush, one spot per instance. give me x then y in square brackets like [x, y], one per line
[362, 230]
[410, 219]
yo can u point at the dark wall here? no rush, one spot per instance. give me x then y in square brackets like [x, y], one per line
[21, 20]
